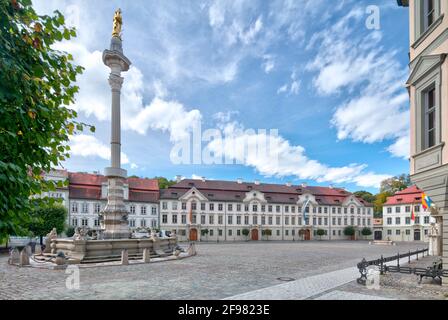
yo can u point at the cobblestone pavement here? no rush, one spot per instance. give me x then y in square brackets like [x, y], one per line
[217, 272]
[401, 286]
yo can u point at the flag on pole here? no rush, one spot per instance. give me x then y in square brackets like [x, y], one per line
[304, 209]
[413, 213]
[426, 201]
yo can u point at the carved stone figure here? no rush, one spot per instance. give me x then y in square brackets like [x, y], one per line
[118, 23]
[52, 235]
[14, 256]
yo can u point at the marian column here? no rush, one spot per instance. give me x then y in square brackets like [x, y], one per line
[114, 220]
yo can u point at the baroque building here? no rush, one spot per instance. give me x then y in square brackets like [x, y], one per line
[428, 91]
[85, 197]
[234, 211]
[397, 217]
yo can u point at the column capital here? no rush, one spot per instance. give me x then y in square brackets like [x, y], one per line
[115, 82]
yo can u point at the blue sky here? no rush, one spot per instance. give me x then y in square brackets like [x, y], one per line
[311, 69]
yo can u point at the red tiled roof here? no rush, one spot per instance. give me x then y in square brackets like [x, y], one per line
[410, 195]
[274, 193]
[88, 186]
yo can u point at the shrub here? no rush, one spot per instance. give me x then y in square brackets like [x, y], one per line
[349, 231]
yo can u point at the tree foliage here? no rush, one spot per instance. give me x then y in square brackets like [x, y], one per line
[366, 232]
[36, 90]
[349, 231]
[395, 184]
[164, 183]
[320, 233]
[46, 218]
[365, 195]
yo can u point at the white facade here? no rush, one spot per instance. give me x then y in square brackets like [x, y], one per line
[398, 226]
[226, 221]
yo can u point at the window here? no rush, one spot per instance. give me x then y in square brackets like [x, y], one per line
[220, 232]
[194, 205]
[270, 221]
[319, 221]
[333, 210]
[345, 210]
[97, 208]
[174, 218]
[397, 209]
[397, 220]
[254, 208]
[389, 221]
[238, 207]
[269, 208]
[164, 205]
[143, 210]
[230, 232]
[286, 208]
[132, 223]
[277, 221]
[220, 207]
[85, 208]
[293, 221]
[389, 232]
[430, 117]
[277, 209]
[84, 222]
[143, 223]
[263, 208]
[154, 223]
[408, 220]
[397, 232]
[132, 209]
[74, 222]
[299, 221]
[286, 232]
[220, 220]
[238, 232]
[314, 221]
[211, 232]
[184, 206]
[153, 211]
[293, 210]
[194, 219]
[417, 220]
[408, 232]
[426, 220]
[203, 206]
[278, 233]
[238, 220]
[417, 208]
[229, 207]
[246, 207]
[389, 210]
[96, 222]
[254, 220]
[211, 207]
[164, 218]
[184, 219]
[229, 219]
[246, 220]
[203, 219]
[326, 221]
[326, 210]
[407, 209]
[429, 13]
[174, 205]
[286, 221]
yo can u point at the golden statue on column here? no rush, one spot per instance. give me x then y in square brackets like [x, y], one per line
[118, 22]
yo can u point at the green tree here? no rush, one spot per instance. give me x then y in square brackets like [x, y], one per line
[164, 183]
[47, 218]
[245, 232]
[349, 231]
[380, 200]
[320, 233]
[267, 233]
[366, 232]
[204, 232]
[36, 90]
[70, 231]
[365, 195]
[395, 184]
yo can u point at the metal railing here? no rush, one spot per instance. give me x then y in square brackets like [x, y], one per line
[435, 271]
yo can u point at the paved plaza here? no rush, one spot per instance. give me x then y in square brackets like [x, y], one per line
[219, 271]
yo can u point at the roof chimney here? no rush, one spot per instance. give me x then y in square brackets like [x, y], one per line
[178, 178]
[331, 186]
[239, 180]
[304, 185]
[257, 182]
[203, 179]
[289, 184]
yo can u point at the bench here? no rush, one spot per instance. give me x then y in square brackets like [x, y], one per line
[435, 271]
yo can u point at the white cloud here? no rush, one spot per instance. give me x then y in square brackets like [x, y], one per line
[282, 89]
[283, 159]
[268, 63]
[292, 88]
[402, 146]
[88, 146]
[358, 65]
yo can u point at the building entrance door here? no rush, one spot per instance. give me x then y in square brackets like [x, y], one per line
[193, 235]
[378, 235]
[417, 235]
[254, 235]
